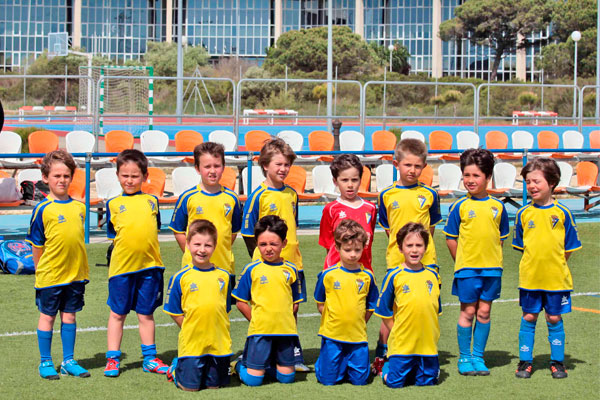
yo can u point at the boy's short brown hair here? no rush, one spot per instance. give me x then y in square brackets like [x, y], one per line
[61, 156]
[272, 147]
[549, 168]
[134, 156]
[343, 162]
[482, 158]
[214, 149]
[271, 223]
[412, 146]
[202, 227]
[412, 227]
[349, 231]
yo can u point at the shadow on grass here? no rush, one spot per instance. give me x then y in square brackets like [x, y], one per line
[542, 361]
[498, 358]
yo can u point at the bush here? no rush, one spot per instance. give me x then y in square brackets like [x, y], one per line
[24, 133]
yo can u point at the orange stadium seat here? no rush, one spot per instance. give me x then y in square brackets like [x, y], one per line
[365, 184]
[42, 142]
[321, 141]
[185, 141]
[383, 140]
[228, 178]
[498, 140]
[297, 180]
[116, 141]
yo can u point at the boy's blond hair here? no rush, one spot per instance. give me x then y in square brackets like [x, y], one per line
[272, 147]
[411, 146]
[61, 156]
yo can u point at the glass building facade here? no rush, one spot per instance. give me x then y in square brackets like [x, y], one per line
[120, 29]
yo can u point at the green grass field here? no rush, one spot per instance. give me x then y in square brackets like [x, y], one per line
[18, 343]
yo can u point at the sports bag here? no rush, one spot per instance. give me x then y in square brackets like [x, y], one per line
[36, 191]
[16, 257]
[8, 190]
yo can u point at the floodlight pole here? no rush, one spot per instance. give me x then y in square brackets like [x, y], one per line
[575, 36]
[329, 63]
[179, 107]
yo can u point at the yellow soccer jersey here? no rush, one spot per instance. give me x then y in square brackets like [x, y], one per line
[479, 226]
[346, 295]
[133, 225]
[223, 209]
[544, 234]
[412, 299]
[271, 290]
[202, 296]
[281, 202]
[57, 227]
[399, 205]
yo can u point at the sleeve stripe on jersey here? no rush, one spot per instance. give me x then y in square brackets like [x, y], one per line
[575, 249]
[170, 313]
[254, 198]
[518, 247]
[177, 276]
[567, 212]
[33, 244]
[239, 298]
[383, 316]
[39, 207]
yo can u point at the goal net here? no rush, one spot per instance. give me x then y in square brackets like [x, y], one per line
[125, 104]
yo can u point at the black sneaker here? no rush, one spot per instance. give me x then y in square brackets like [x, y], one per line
[558, 370]
[524, 370]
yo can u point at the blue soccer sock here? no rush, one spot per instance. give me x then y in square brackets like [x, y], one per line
[149, 351]
[67, 335]
[45, 344]
[249, 380]
[381, 350]
[480, 338]
[286, 378]
[556, 337]
[114, 354]
[526, 340]
[464, 340]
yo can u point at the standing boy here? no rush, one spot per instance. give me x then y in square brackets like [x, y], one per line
[347, 172]
[346, 295]
[56, 233]
[198, 300]
[475, 232]
[135, 275]
[407, 200]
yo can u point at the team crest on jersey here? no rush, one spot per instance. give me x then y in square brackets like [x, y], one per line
[422, 199]
[272, 207]
[405, 289]
[152, 205]
[287, 275]
[61, 219]
[472, 214]
[263, 280]
[293, 205]
[429, 286]
[368, 217]
[193, 287]
[199, 210]
[495, 212]
[122, 209]
[554, 220]
[227, 208]
[342, 214]
[531, 225]
[360, 284]
[395, 205]
[82, 216]
[337, 285]
[221, 283]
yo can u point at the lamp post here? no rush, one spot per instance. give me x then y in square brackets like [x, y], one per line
[391, 48]
[576, 36]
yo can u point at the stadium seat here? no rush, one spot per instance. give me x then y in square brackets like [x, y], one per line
[497, 140]
[412, 135]
[107, 183]
[587, 178]
[364, 190]
[427, 175]
[323, 181]
[439, 140]
[29, 174]
[227, 139]
[155, 184]
[297, 180]
[228, 178]
[384, 176]
[10, 143]
[320, 141]
[83, 142]
[383, 141]
[186, 141]
[549, 140]
[77, 187]
[183, 179]
[42, 142]
[504, 178]
[449, 176]
[257, 179]
[155, 141]
[255, 140]
[566, 173]
[595, 139]
[293, 138]
[351, 141]
[116, 141]
[464, 140]
[520, 140]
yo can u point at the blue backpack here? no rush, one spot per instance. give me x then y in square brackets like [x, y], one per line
[16, 257]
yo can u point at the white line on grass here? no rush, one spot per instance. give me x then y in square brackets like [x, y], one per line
[311, 315]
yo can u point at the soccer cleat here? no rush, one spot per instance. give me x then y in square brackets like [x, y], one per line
[112, 368]
[524, 370]
[465, 367]
[558, 370]
[377, 365]
[47, 370]
[171, 372]
[300, 367]
[156, 366]
[70, 367]
[479, 366]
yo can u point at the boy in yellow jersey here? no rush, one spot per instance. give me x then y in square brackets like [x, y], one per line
[410, 306]
[546, 233]
[475, 231]
[61, 266]
[198, 300]
[346, 295]
[135, 274]
[209, 200]
[268, 294]
[274, 197]
[407, 200]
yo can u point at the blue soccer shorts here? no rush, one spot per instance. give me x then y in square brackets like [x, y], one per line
[202, 372]
[340, 361]
[139, 291]
[66, 298]
[470, 290]
[554, 303]
[262, 351]
[412, 370]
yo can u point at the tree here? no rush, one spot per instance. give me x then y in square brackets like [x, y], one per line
[162, 56]
[528, 99]
[400, 57]
[319, 92]
[497, 24]
[452, 97]
[306, 50]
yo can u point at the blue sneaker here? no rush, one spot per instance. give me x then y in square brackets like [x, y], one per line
[156, 366]
[171, 372]
[70, 367]
[47, 370]
[465, 367]
[112, 368]
[479, 366]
